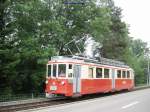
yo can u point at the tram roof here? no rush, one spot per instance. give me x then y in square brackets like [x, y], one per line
[104, 61]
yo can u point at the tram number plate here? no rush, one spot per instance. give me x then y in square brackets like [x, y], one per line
[53, 88]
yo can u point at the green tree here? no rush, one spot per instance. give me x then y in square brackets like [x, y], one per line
[117, 41]
[137, 59]
[32, 31]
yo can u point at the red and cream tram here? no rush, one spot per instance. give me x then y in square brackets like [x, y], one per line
[71, 76]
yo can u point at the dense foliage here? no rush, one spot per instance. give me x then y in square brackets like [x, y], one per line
[33, 30]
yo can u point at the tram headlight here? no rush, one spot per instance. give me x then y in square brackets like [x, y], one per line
[54, 83]
[46, 81]
[62, 83]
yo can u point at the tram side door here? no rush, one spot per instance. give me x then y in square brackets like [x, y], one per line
[76, 79]
[113, 79]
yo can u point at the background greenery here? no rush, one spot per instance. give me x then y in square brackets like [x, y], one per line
[33, 30]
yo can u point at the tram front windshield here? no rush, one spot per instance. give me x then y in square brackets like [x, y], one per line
[57, 70]
[61, 70]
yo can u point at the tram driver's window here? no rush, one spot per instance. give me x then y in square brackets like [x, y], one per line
[90, 75]
[70, 71]
[106, 73]
[54, 70]
[62, 70]
[118, 73]
[70, 66]
[98, 72]
[49, 70]
[123, 74]
[128, 74]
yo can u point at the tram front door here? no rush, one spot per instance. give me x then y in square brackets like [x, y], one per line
[76, 79]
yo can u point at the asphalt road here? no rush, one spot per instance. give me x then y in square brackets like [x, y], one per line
[137, 101]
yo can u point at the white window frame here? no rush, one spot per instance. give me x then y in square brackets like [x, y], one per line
[67, 66]
[125, 74]
[130, 77]
[66, 70]
[117, 74]
[96, 73]
[47, 70]
[104, 74]
[93, 72]
[56, 70]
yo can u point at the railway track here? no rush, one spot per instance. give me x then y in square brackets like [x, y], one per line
[17, 107]
[56, 101]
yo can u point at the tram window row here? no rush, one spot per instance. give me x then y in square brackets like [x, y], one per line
[123, 74]
[66, 70]
[107, 73]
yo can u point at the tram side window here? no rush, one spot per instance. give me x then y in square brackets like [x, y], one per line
[54, 70]
[70, 71]
[123, 74]
[62, 70]
[49, 70]
[70, 66]
[118, 73]
[98, 72]
[90, 73]
[106, 73]
[128, 74]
